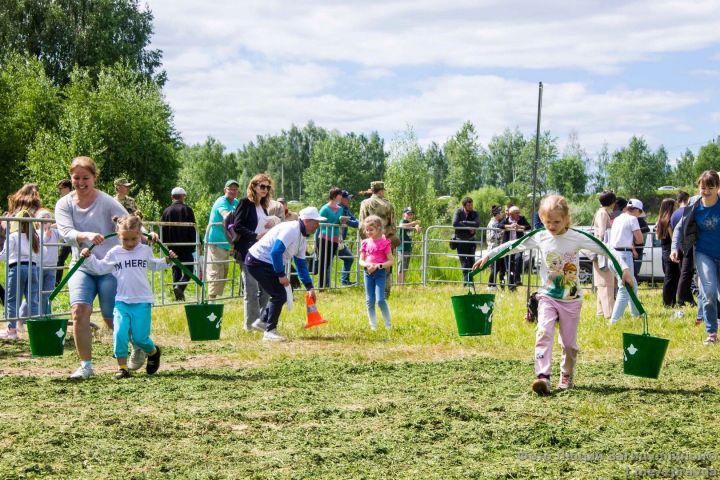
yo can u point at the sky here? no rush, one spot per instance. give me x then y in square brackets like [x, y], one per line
[610, 69]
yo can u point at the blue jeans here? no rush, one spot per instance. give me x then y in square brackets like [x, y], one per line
[84, 287]
[131, 319]
[19, 275]
[623, 297]
[708, 269]
[48, 284]
[347, 258]
[375, 292]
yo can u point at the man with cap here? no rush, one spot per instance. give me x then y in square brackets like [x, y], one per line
[377, 205]
[122, 188]
[218, 250]
[625, 232]
[344, 253]
[405, 248]
[266, 261]
[515, 226]
[175, 236]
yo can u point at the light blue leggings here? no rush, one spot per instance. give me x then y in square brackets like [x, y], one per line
[131, 321]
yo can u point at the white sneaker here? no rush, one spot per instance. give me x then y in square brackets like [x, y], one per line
[273, 336]
[82, 373]
[9, 334]
[137, 359]
[259, 325]
[678, 314]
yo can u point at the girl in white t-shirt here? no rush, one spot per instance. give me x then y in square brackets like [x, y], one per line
[559, 298]
[129, 262]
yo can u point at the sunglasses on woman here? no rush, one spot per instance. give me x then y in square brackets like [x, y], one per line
[263, 186]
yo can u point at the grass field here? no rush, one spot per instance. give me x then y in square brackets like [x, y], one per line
[340, 401]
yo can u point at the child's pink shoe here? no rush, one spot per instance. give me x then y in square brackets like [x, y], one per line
[566, 381]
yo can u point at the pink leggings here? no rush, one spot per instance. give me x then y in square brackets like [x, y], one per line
[568, 315]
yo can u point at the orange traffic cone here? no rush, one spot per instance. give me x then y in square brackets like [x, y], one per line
[313, 316]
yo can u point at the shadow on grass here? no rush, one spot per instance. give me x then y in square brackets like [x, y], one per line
[610, 389]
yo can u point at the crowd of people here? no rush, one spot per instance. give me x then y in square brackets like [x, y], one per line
[263, 236]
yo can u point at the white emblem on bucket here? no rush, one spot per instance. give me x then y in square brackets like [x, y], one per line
[485, 308]
[631, 349]
[60, 333]
[212, 317]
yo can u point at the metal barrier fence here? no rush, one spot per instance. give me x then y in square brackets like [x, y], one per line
[431, 261]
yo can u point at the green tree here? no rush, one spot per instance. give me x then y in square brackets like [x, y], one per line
[123, 123]
[708, 158]
[406, 185]
[338, 160]
[684, 173]
[636, 171]
[599, 179]
[89, 34]
[204, 169]
[567, 176]
[463, 156]
[29, 104]
[503, 163]
[437, 167]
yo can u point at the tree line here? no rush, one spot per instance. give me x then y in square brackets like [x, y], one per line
[78, 78]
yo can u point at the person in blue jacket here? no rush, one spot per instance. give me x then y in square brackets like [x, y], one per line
[266, 261]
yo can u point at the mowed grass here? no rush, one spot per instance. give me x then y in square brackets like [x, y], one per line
[340, 401]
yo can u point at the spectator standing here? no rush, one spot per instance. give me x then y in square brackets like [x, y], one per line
[515, 226]
[671, 270]
[64, 187]
[330, 238]
[179, 212]
[602, 270]
[251, 222]
[345, 254]
[494, 238]
[466, 220]
[218, 250]
[640, 246]
[624, 233]
[287, 215]
[700, 227]
[379, 206]
[687, 262]
[266, 262]
[407, 225]
[122, 188]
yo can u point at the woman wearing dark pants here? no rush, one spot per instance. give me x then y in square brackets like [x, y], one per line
[663, 232]
[469, 219]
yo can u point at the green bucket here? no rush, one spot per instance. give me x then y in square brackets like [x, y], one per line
[204, 321]
[473, 313]
[643, 354]
[47, 336]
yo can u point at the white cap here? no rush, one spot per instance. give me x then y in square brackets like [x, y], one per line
[635, 203]
[310, 213]
[178, 191]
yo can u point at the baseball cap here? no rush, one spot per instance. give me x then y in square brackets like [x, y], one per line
[178, 191]
[346, 194]
[231, 182]
[122, 181]
[310, 213]
[408, 210]
[635, 203]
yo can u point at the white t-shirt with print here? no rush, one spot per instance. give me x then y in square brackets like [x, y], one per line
[559, 261]
[621, 233]
[130, 268]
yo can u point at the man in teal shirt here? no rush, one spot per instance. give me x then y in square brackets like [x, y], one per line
[218, 250]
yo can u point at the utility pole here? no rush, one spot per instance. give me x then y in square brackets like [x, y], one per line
[535, 167]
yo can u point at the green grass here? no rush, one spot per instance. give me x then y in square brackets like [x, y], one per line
[339, 401]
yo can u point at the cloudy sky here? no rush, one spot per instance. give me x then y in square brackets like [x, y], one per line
[610, 69]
